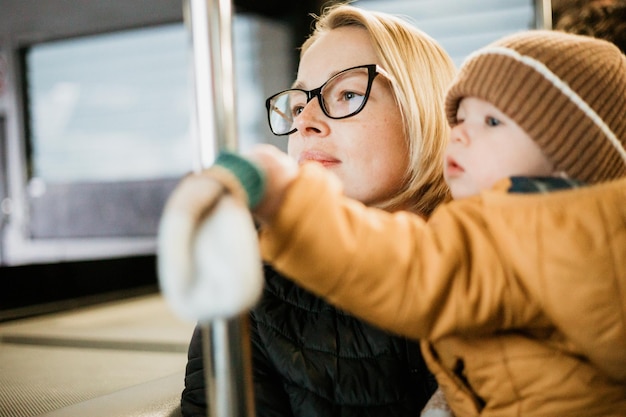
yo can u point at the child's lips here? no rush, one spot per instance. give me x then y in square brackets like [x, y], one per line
[453, 168]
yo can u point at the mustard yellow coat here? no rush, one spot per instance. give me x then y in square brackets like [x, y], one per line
[519, 300]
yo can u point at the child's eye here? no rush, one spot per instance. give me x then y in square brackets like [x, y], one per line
[492, 121]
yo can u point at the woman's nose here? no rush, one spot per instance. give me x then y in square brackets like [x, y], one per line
[312, 120]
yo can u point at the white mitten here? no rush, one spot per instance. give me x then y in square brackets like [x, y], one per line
[209, 263]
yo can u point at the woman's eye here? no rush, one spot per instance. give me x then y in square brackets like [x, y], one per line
[351, 95]
[492, 121]
[296, 110]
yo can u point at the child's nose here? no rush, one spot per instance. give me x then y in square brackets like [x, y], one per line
[459, 134]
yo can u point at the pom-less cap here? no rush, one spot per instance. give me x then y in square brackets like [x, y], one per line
[568, 92]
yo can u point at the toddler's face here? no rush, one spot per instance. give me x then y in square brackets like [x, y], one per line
[486, 146]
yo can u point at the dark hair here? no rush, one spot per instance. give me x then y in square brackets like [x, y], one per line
[604, 19]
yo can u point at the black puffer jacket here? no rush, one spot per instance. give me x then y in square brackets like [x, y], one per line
[310, 359]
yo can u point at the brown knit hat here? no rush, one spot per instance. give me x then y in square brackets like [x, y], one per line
[568, 92]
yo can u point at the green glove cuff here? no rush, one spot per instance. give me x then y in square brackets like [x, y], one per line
[250, 176]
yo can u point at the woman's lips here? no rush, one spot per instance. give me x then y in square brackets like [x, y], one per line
[318, 156]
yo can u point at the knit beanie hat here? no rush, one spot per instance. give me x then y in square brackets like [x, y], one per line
[568, 92]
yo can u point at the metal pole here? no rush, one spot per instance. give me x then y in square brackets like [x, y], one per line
[226, 342]
[543, 14]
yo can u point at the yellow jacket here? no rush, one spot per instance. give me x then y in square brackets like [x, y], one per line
[519, 300]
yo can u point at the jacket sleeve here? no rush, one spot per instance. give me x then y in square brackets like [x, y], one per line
[481, 264]
[441, 277]
[271, 399]
[193, 400]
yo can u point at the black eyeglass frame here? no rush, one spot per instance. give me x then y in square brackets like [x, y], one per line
[372, 71]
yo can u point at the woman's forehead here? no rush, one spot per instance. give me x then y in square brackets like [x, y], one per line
[332, 52]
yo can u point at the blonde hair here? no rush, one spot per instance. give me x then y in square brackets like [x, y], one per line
[421, 71]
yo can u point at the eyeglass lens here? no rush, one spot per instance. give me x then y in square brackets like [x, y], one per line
[341, 96]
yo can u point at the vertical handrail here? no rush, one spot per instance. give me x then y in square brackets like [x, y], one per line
[543, 14]
[225, 341]
[214, 118]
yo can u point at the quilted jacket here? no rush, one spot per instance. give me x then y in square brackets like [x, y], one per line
[310, 359]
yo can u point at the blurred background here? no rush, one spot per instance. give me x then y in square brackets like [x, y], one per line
[95, 103]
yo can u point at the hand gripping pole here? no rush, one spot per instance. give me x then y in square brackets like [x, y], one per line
[208, 261]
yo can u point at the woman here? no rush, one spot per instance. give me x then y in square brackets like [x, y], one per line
[378, 124]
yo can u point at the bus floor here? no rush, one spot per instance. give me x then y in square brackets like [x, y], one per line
[118, 359]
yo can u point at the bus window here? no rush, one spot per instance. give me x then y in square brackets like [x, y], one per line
[112, 107]
[107, 135]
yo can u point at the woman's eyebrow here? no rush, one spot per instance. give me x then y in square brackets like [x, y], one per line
[300, 84]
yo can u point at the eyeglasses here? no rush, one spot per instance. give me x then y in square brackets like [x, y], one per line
[342, 95]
